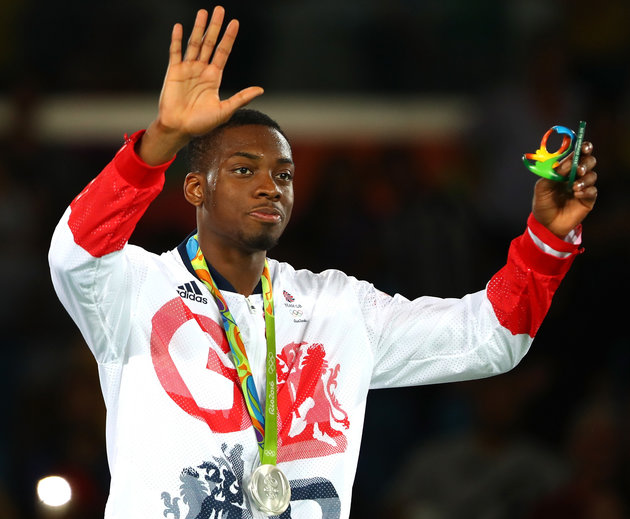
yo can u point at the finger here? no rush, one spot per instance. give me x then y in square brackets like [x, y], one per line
[586, 181]
[224, 48]
[588, 194]
[175, 50]
[564, 167]
[241, 98]
[196, 36]
[212, 34]
[587, 164]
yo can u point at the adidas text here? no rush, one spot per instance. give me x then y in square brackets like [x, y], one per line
[193, 297]
[191, 291]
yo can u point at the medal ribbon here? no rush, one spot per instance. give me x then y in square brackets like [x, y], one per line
[266, 427]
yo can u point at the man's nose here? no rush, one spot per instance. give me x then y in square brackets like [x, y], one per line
[268, 186]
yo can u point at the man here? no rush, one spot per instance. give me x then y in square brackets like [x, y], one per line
[236, 385]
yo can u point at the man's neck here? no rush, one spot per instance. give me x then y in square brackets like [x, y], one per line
[242, 269]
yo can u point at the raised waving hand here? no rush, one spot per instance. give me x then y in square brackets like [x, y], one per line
[189, 103]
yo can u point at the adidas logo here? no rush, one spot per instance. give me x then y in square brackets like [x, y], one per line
[191, 291]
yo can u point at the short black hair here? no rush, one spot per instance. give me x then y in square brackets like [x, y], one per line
[199, 148]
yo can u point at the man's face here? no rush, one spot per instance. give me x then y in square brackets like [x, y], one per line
[248, 191]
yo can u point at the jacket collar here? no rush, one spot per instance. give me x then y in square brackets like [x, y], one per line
[222, 284]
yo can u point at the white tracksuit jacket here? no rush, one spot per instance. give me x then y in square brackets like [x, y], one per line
[179, 439]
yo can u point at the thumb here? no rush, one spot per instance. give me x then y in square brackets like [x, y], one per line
[241, 98]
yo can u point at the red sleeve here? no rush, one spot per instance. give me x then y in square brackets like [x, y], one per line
[104, 215]
[521, 292]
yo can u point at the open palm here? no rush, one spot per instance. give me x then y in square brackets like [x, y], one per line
[190, 102]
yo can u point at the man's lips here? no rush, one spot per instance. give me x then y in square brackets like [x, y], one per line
[267, 214]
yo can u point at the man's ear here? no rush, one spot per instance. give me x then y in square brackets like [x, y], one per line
[194, 188]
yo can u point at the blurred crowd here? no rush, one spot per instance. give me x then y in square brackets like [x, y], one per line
[420, 216]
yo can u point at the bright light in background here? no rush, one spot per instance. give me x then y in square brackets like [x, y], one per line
[54, 491]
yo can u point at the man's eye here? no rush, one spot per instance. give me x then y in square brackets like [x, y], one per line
[285, 175]
[243, 171]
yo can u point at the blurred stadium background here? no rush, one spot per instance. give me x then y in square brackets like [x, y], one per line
[408, 119]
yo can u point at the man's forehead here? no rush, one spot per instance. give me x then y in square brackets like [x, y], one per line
[254, 140]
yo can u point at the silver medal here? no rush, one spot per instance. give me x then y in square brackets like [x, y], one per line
[269, 490]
